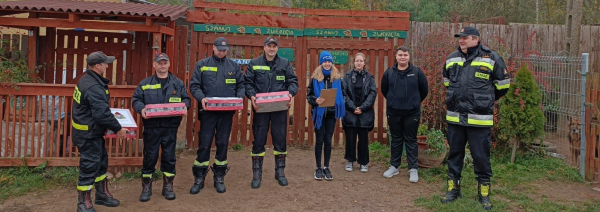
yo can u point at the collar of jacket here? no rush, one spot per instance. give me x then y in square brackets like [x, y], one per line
[273, 61]
[362, 73]
[169, 77]
[98, 77]
[410, 67]
[472, 50]
[220, 60]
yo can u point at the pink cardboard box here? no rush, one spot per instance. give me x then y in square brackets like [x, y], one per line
[271, 102]
[165, 110]
[224, 103]
[126, 120]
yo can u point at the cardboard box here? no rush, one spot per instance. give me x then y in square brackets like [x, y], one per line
[126, 120]
[271, 102]
[165, 110]
[224, 103]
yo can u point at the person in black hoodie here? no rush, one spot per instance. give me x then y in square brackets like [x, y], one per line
[359, 95]
[405, 87]
[325, 76]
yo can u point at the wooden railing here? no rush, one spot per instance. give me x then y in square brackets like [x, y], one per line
[36, 127]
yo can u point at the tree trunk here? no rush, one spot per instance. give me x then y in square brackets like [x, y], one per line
[514, 151]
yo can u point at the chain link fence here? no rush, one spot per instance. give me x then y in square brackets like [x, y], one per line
[559, 79]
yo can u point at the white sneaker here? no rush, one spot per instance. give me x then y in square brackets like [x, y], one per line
[391, 172]
[349, 166]
[364, 168]
[414, 176]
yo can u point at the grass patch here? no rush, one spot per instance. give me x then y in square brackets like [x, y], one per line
[17, 181]
[379, 153]
[510, 185]
[238, 147]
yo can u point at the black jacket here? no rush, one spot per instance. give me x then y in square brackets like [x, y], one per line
[264, 76]
[217, 77]
[91, 115]
[312, 99]
[404, 90]
[150, 91]
[474, 81]
[367, 118]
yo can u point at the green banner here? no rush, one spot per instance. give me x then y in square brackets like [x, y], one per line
[247, 30]
[287, 53]
[299, 32]
[354, 33]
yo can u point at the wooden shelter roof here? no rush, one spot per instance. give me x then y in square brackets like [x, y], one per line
[96, 8]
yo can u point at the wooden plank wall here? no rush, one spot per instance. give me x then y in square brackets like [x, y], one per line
[241, 47]
[377, 51]
[592, 128]
[306, 53]
[519, 38]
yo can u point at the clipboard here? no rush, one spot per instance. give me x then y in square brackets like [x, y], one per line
[329, 96]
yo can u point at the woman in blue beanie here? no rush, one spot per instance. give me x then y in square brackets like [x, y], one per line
[325, 76]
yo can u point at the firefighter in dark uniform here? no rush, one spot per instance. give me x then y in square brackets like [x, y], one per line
[214, 76]
[475, 77]
[91, 118]
[163, 87]
[269, 73]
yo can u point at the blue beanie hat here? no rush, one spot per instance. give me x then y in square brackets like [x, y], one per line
[325, 56]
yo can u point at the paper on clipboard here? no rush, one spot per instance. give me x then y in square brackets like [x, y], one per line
[329, 96]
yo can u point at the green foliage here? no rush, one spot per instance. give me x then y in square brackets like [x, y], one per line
[422, 130]
[522, 118]
[16, 181]
[238, 147]
[423, 11]
[329, 4]
[379, 153]
[513, 185]
[12, 70]
[436, 142]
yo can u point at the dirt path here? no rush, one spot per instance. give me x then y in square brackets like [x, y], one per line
[349, 191]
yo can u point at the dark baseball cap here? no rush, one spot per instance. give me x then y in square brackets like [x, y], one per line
[221, 43]
[161, 56]
[271, 39]
[467, 31]
[99, 57]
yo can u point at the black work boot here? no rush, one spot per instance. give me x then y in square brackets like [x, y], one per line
[103, 196]
[279, 166]
[168, 187]
[84, 202]
[257, 162]
[219, 172]
[453, 191]
[483, 189]
[199, 176]
[146, 189]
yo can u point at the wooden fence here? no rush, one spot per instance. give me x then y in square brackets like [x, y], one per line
[15, 44]
[307, 32]
[22, 109]
[36, 126]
